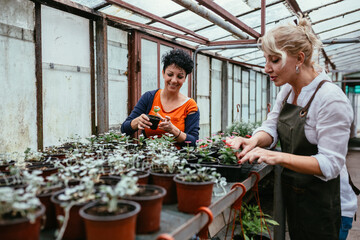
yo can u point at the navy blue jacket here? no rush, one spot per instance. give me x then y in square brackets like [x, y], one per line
[144, 106]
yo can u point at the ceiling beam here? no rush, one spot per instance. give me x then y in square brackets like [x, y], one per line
[336, 16]
[229, 17]
[240, 15]
[178, 35]
[154, 17]
[334, 28]
[212, 17]
[294, 6]
[169, 15]
[72, 7]
[245, 41]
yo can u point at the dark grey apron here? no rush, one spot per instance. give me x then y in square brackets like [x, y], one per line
[312, 205]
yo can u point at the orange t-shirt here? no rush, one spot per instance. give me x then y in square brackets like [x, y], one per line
[177, 115]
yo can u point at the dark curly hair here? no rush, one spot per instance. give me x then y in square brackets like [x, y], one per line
[180, 58]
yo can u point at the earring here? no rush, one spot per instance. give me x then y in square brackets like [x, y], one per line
[297, 69]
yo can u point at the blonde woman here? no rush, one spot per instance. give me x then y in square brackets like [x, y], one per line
[312, 119]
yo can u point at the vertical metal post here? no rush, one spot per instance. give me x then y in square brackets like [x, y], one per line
[263, 19]
[39, 80]
[92, 77]
[102, 76]
[224, 95]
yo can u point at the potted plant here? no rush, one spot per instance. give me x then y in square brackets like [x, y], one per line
[163, 169]
[188, 153]
[5, 161]
[242, 129]
[204, 153]
[67, 205]
[150, 198]
[111, 218]
[21, 213]
[227, 155]
[154, 119]
[195, 187]
[254, 223]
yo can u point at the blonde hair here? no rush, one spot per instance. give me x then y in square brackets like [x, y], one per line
[291, 39]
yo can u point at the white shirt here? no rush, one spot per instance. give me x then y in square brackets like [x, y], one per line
[327, 125]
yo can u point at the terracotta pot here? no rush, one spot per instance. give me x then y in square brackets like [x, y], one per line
[11, 181]
[192, 195]
[165, 180]
[150, 199]
[111, 180]
[75, 229]
[154, 120]
[50, 213]
[4, 167]
[47, 169]
[116, 227]
[21, 228]
[143, 176]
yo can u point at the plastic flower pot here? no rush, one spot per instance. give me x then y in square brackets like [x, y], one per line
[45, 199]
[154, 120]
[112, 226]
[21, 227]
[150, 198]
[165, 180]
[75, 229]
[192, 195]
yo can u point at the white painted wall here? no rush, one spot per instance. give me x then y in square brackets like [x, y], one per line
[66, 92]
[118, 82]
[17, 77]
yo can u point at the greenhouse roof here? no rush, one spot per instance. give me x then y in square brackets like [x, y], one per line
[227, 22]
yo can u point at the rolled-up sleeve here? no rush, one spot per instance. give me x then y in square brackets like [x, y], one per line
[333, 123]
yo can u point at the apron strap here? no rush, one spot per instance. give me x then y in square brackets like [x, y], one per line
[354, 188]
[304, 111]
[286, 98]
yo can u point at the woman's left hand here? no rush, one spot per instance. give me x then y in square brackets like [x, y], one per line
[166, 125]
[262, 155]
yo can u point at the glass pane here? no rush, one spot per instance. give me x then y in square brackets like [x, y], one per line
[252, 95]
[149, 67]
[230, 93]
[216, 67]
[237, 92]
[258, 96]
[245, 96]
[156, 7]
[163, 50]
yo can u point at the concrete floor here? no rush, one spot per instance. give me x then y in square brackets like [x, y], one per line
[353, 164]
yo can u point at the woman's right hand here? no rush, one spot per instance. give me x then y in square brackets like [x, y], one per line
[247, 144]
[141, 122]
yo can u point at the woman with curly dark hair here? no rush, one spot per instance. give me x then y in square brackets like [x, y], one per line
[179, 113]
